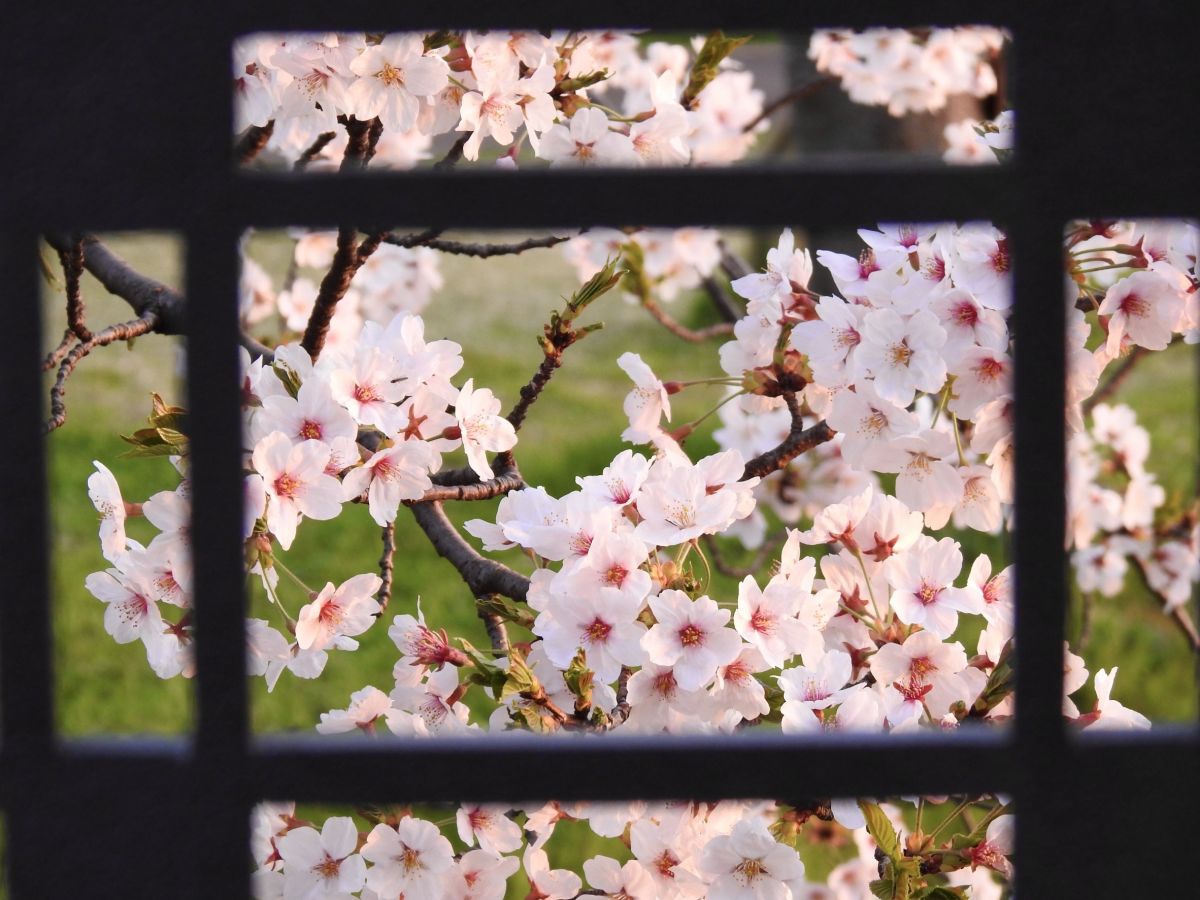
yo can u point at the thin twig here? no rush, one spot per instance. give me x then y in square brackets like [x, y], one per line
[122, 331]
[387, 565]
[677, 328]
[479, 251]
[496, 631]
[799, 440]
[733, 265]
[55, 356]
[314, 150]
[805, 90]
[453, 155]
[72, 265]
[252, 142]
[765, 552]
[1114, 380]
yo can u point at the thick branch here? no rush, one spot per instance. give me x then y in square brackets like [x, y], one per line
[347, 260]
[143, 294]
[680, 330]
[799, 440]
[725, 304]
[483, 576]
[252, 142]
[122, 331]
[464, 484]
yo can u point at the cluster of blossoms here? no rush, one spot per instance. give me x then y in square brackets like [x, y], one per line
[909, 71]
[1112, 504]
[392, 281]
[576, 97]
[369, 421]
[731, 850]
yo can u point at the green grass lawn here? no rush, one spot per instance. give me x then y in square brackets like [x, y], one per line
[495, 309]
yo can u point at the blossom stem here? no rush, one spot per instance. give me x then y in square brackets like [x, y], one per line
[962, 458]
[715, 408]
[862, 564]
[958, 811]
[292, 575]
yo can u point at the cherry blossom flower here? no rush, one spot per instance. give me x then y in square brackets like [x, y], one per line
[869, 423]
[495, 832]
[630, 880]
[1146, 307]
[767, 619]
[903, 356]
[347, 610]
[482, 427]
[690, 636]
[366, 706]
[394, 74]
[923, 586]
[395, 473]
[105, 494]
[322, 864]
[647, 403]
[1109, 714]
[586, 141]
[749, 864]
[601, 623]
[411, 859]
[296, 483]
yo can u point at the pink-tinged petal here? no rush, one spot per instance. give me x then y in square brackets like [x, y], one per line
[339, 836]
[322, 499]
[281, 520]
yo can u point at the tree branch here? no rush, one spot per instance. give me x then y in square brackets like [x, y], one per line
[680, 330]
[464, 484]
[252, 142]
[314, 150]
[479, 251]
[122, 331]
[725, 304]
[72, 265]
[765, 552]
[799, 440]
[805, 90]
[1114, 380]
[483, 576]
[387, 565]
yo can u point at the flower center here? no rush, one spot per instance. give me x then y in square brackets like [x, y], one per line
[366, 393]
[928, 593]
[762, 622]
[310, 430]
[286, 485]
[875, 423]
[390, 75]
[597, 632]
[966, 315]
[328, 867]
[989, 369]
[1135, 306]
[901, 354]
[616, 575]
[691, 636]
[749, 870]
[410, 859]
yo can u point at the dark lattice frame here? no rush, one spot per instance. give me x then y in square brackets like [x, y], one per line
[117, 117]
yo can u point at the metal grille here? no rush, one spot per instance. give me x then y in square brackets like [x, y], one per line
[119, 118]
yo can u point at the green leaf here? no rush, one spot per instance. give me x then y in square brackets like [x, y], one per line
[510, 610]
[520, 680]
[579, 82]
[579, 679]
[707, 64]
[940, 892]
[883, 888]
[880, 828]
[484, 670]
